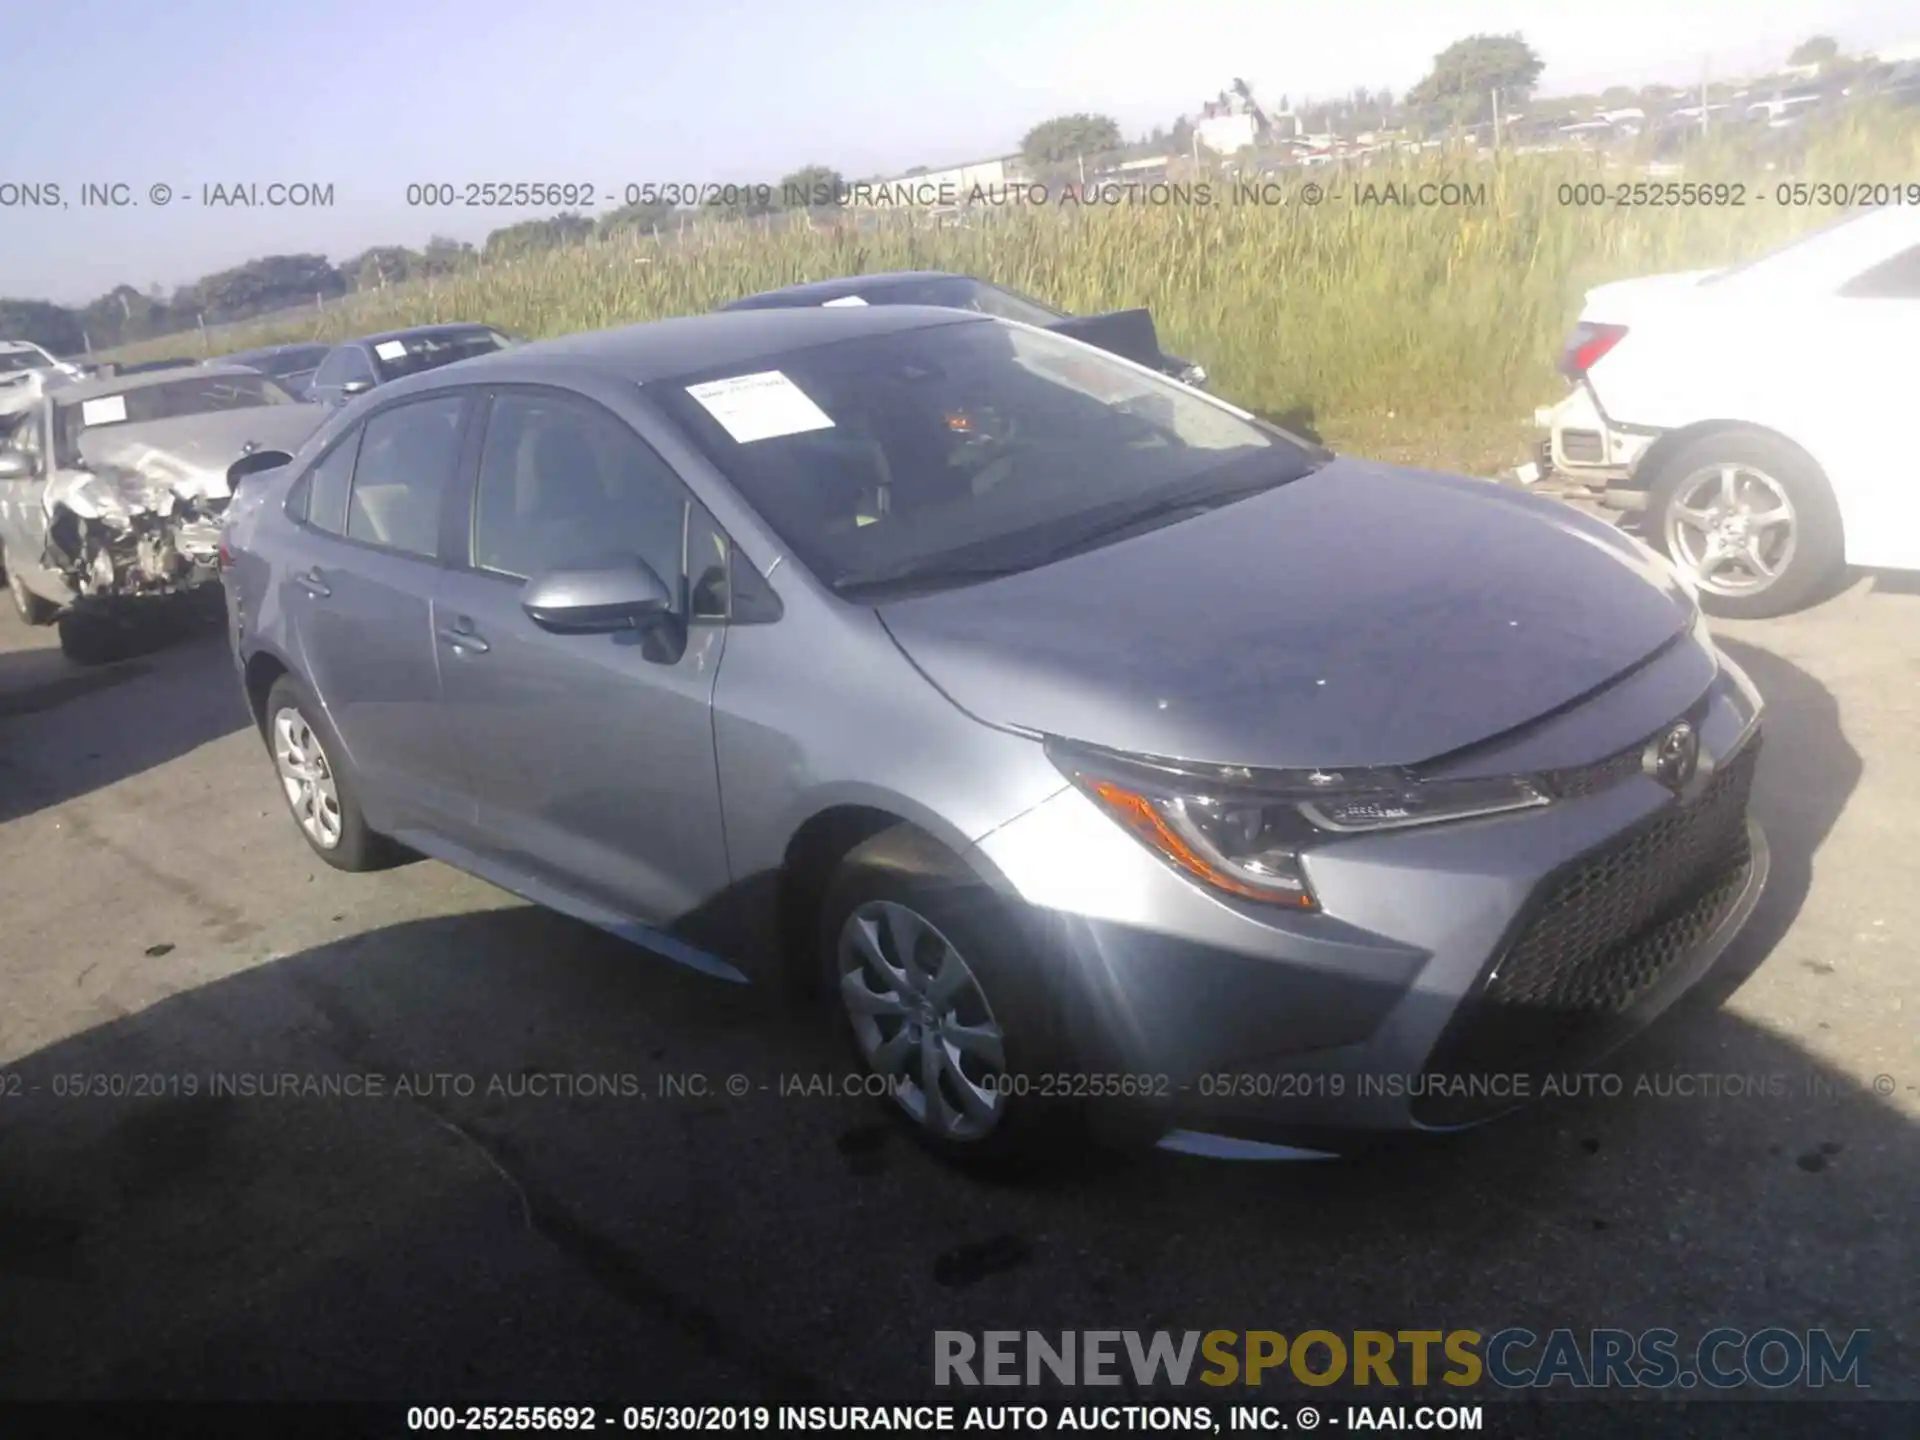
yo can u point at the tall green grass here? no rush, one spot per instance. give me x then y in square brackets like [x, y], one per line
[1349, 315]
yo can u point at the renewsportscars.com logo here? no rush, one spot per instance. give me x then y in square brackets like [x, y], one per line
[1514, 1358]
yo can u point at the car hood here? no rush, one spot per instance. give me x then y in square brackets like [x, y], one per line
[189, 454]
[1362, 615]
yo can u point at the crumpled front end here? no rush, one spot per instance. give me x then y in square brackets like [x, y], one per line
[118, 532]
[143, 513]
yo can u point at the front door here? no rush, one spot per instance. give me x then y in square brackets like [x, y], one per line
[592, 755]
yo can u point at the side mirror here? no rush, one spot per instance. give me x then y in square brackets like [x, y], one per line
[16, 466]
[621, 593]
[350, 388]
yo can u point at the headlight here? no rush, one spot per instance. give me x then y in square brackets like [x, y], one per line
[1245, 832]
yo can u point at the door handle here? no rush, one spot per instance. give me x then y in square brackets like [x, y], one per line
[460, 635]
[313, 584]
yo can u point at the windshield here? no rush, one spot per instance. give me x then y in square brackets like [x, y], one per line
[168, 400]
[410, 354]
[962, 447]
[283, 362]
[14, 361]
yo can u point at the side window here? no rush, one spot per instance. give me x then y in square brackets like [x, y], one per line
[333, 369]
[563, 482]
[1895, 279]
[323, 491]
[26, 435]
[358, 366]
[407, 456]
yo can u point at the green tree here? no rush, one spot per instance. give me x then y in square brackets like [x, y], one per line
[445, 256]
[382, 265]
[1065, 138]
[644, 219]
[812, 187]
[51, 326]
[1466, 74]
[1817, 50]
[530, 237]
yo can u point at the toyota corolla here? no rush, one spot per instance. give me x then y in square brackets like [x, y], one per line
[1103, 758]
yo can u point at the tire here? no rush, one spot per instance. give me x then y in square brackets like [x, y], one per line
[90, 638]
[296, 729]
[31, 608]
[903, 875]
[1807, 549]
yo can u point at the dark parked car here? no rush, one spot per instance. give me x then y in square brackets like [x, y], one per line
[1128, 333]
[292, 365]
[1106, 757]
[358, 365]
[114, 369]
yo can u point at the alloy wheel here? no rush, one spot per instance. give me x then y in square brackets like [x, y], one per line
[306, 777]
[1732, 528]
[922, 1020]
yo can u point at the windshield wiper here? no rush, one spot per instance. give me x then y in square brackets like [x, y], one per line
[923, 572]
[1196, 499]
[1193, 499]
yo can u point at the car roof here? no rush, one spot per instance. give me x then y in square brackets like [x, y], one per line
[121, 384]
[456, 327]
[662, 349]
[814, 291]
[264, 350]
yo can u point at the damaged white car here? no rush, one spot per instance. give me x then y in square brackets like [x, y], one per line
[112, 491]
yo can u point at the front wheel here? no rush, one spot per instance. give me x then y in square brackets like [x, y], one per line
[31, 608]
[943, 999]
[1750, 519]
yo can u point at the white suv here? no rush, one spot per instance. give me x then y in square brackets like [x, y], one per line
[1758, 414]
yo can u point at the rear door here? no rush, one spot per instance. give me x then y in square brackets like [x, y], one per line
[592, 755]
[357, 579]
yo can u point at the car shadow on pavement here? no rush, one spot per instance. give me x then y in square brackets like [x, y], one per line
[67, 729]
[1808, 769]
[501, 1155]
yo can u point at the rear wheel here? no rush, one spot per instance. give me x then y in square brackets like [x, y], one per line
[28, 606]
[319, 793]
[1750, 519]
[942, 997]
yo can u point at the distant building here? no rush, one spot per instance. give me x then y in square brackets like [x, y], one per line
[934, 189]
[1227, 134]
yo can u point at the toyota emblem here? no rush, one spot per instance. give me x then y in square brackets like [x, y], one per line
[1674, 758]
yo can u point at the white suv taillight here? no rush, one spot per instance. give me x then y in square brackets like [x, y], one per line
[1586, 345]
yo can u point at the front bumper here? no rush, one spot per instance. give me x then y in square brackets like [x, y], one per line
[1451, 970]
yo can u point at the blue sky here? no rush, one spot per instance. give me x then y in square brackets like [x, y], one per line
[370, 96]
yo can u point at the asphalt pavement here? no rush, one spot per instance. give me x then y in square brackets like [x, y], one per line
[585, 1173]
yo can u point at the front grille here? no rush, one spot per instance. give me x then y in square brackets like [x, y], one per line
[1597, 940]
[1577, 780]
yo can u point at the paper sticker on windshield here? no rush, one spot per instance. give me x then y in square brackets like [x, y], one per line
[107, 410]
[760, 407]
[843, 300]
[391, 349]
